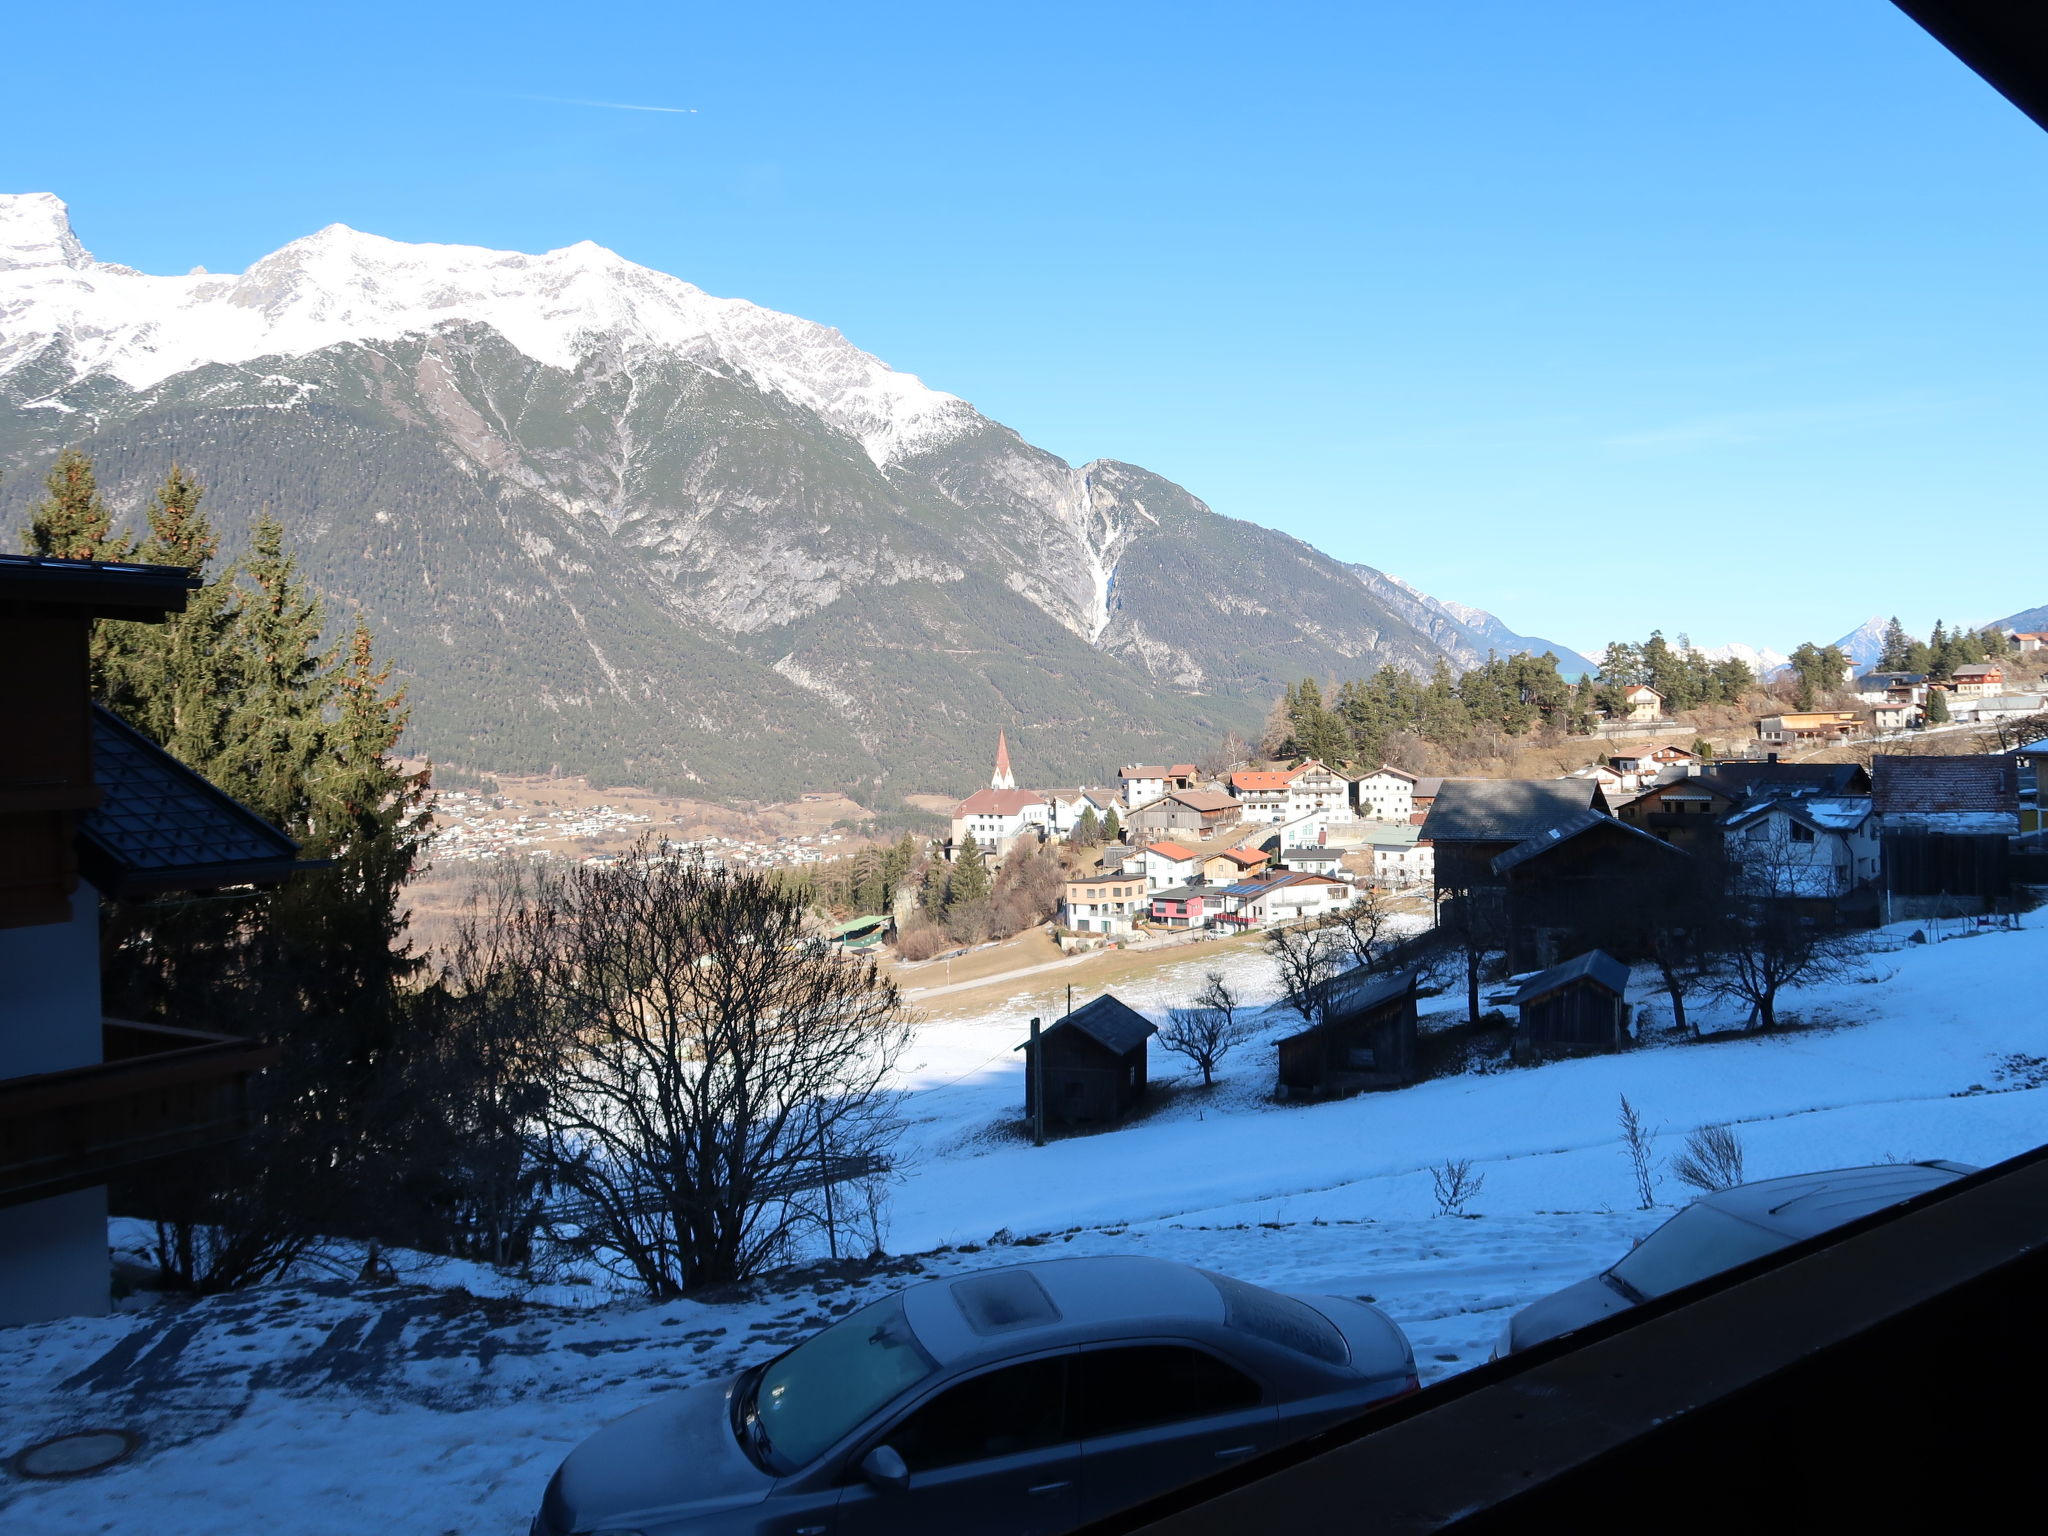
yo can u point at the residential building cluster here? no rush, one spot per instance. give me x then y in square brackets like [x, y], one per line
[475, 828]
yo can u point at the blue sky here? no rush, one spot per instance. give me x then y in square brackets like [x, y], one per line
[1726, 319]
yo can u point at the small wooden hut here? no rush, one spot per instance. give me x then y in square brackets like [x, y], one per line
[1573, 1009]
[1364, 1038]
[1095, 1063]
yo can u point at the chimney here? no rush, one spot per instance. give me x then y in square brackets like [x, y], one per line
[1770, 757]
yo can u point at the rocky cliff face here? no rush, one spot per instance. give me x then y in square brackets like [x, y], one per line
[609, 523]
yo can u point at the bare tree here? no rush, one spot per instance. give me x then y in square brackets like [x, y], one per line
[1712, 1159]
[716, 1063]
[1208, 1029]
[1366, 929]
[1766, 942]
[1635, 1140]
[1231, 753]
[1455, 1183]
[1304, 956]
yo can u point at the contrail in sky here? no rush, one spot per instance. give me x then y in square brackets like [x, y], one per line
[615, 106]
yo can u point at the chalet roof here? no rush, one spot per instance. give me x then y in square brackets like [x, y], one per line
[998, 802]
[1185, 892]
[1889, 680]
[1595, 965]
[1980, 669]
[1312, 853]
[1406, 836]
[1109, 1023]
[1344, 997]
[1568, 827]
[1204, 799]
[160, 826]
[1106, 877]
[1823, 813]
[1263, 779]
[113, 589]
[1506, 810]
[1148, 771]
[1922, 786]
[1389, 768]
[1738, 780]
[1428, 785]
[1172, 851]
[1244, 858]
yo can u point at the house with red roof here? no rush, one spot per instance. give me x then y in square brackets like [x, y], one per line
[1169, 864]
[1262, 793]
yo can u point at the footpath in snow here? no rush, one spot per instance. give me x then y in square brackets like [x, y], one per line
[438, 1406]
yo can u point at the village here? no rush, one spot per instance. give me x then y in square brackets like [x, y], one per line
[1559, 900]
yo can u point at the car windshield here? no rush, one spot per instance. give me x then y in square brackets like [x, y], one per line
[811, 1396]
[1697, 1242]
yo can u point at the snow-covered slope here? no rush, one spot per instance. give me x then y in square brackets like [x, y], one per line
[1762, 662]
[340, 285]
[1865, 643]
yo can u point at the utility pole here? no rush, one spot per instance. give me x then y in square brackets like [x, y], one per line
[1037, 1088]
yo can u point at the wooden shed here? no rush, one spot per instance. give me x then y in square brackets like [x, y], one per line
[1573, 1009]
[1095, 1066]
[1365, 1038]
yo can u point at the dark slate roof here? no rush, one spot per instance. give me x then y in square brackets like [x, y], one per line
[1935, 785]
[1360, 991]
[1109, 1024]
[1506, 810]
[1567, 828]
[112, 589]
[1741, 779]
[162, 827]
[1594, 965]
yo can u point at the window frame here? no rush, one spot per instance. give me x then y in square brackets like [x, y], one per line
[864, 1444]
[1267, 1397]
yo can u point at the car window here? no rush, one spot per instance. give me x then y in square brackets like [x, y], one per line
[999, 1413]
[1697, 1242]
[1280, 1320]
[820, 1390]
[1140, 1385]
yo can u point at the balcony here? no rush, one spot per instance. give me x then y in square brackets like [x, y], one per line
[160, 1091]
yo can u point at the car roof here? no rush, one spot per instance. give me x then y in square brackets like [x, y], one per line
[1090, 1298]
[1806, 1203]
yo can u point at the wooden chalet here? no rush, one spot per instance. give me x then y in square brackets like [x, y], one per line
[1095, 1063]
[1364, 1038]
[1578, 1008]
[1583, 882]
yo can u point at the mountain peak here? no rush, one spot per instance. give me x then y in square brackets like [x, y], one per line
[35, 231]
[341, 285]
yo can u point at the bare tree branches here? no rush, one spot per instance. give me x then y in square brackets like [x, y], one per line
[1365, 929]
[1206, 1030]
[1712, 1159]
[1455, 1183]
[709, 1062]
[1303, 956]
[1635, 1140]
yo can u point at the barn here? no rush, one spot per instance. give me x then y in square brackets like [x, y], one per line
[1095, 1063]
[1573, 1009]
[1365, 1038]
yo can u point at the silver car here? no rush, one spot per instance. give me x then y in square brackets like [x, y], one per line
[1720, 1231]
[1019, 1401]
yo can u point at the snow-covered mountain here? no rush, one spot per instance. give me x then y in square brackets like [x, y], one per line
[1865, 643]
[608, 522]
[1764, 663]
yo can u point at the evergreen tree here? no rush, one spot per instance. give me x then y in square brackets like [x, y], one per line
[970, 875]
[1087, 831]
[1897, 650]
[1112, 829]
[1941, 662]
[868, 894]
[897, 864]
[936, 890]
[71, 522]
[1937, 706]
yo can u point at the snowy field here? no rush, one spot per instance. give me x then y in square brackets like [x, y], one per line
[442, 1404]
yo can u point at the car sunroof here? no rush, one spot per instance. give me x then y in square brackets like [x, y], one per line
[1000, 1302]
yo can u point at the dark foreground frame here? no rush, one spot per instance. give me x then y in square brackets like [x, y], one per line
[1889, 1372]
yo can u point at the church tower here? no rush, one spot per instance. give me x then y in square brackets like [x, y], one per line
[1002, 778]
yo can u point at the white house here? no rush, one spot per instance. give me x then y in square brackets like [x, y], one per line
[1642, 702]
[1315, 788]
[1068, 806]
[1289, 898]
[1110, 902]
[1169, 864]
[1000, 818]
[1262, 792]
[1142, 783]
[1401, 858]
[1385, 794]
[1807, 845]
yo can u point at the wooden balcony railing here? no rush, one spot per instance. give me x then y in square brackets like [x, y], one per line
[160, 1091]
